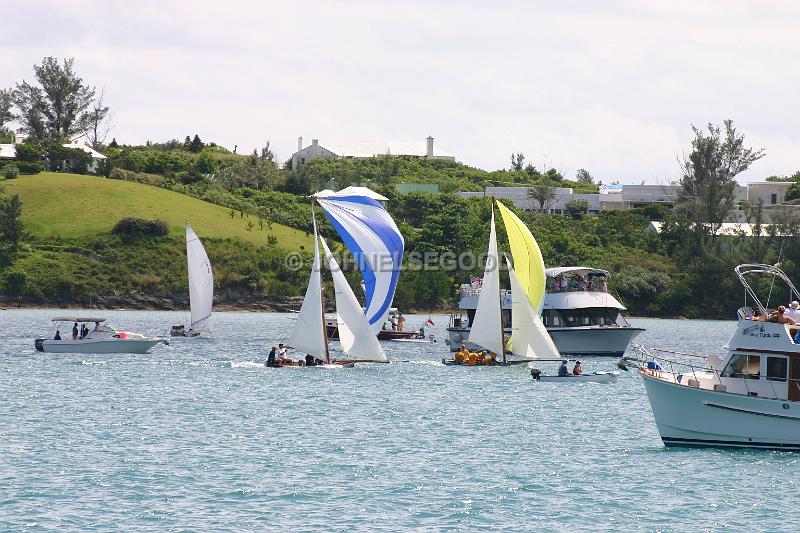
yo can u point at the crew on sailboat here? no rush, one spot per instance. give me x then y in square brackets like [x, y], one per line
[270, 362]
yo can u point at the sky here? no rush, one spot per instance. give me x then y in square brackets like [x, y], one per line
[613, 87]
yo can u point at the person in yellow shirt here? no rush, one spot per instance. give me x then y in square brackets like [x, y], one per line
[472, 359]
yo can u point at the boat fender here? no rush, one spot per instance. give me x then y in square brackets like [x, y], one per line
[535, 373]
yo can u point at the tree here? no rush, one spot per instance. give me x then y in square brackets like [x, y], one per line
[113, 143]
[56, 108]
[577, 208]
[99, 120]
[583, 176]
[517, 161]
[542, 195]
[196, 145]
[267, 154]
[6, 103]
[708, 183]
[11, 221]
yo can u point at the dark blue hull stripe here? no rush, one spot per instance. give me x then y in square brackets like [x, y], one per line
[675, 441]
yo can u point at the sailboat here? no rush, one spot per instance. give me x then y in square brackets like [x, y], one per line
[310, 334]
[529, 339]
[201, 288]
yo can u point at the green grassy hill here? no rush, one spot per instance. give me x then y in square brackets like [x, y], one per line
[71, 205]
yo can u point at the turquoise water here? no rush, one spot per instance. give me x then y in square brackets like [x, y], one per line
[199, 436]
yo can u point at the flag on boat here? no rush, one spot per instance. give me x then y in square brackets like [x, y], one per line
[475, 281]
[430, 322]
[372, 237]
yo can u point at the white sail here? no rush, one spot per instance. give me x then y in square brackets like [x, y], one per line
[355, 334]
[486, 330]
[201, 282]
[529, 338]
[308, 335]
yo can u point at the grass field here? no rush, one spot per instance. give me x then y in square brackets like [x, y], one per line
[71, 205]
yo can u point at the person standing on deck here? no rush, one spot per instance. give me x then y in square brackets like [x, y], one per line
[793, 312]
[400, 321]
[75, 331]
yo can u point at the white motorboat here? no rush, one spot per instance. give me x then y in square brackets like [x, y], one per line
[201, 288]
[101, 338]
[592, 377]
[579, 313]
[748, 399]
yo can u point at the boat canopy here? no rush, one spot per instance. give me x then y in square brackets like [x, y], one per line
[77, 319]
[582, 271]
[581, 300]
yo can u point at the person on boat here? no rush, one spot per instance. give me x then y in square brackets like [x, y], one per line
[461, 355]
[472, 359]
[310, 360]
[58, 336]
[400, 321]
[779, 316]
[794, 311]
[270, 362]
[421, 333]
[577, 370]
[75, 331]
[563, 371]
[393, 322]
[283, 359]
[97, 326]
[490, 359]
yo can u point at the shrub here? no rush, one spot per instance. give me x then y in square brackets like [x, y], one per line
[139, 227]
[30, 167]
[10, 171]
[30, 152]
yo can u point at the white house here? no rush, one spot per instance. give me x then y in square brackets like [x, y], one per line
[9, 151]
[364, 150]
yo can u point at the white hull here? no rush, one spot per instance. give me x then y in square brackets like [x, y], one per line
[99, 345]
[595, 377]
[688, 416]
[577, 341]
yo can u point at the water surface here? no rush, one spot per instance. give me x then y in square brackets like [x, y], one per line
[200, 436]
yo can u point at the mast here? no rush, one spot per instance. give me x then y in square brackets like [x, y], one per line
[499, 295]
[321, 299]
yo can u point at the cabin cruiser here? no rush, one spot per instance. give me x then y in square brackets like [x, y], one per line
[96, 337]
[748, 399]
[578, 312]
[389, 330]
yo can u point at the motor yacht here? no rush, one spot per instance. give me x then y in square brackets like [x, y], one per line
[95, 336]
[579, 313]
[749, 398]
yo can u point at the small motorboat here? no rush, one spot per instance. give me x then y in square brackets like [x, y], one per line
[102, 338]
[593, 377]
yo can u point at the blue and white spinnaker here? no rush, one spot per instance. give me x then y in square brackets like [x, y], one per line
[372, 237]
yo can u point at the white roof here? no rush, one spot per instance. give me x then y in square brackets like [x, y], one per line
[8, 151]
[583, 271]
[726, 228]
[86, 148]
[376, 148]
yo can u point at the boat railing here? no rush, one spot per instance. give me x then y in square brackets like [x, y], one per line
[678, 369]
[554, 290]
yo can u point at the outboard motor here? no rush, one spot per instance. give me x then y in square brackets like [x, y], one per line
[39, 343]
[535, 373]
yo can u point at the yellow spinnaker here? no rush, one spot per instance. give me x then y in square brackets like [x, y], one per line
[528, 262]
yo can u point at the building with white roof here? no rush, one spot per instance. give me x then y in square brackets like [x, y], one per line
[364, 150]
[9, 151]
[624, 197]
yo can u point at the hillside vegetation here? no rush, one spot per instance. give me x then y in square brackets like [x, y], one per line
[70, 205]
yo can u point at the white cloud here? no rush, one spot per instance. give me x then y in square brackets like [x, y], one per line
[611, 87]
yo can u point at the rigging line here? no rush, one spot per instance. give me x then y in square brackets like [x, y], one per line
[772, 284]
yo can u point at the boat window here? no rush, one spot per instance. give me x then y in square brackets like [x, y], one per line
[743, 366]
[777, 368]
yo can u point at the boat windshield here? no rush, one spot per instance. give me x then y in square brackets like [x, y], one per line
[588, 316]
[576, 282]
